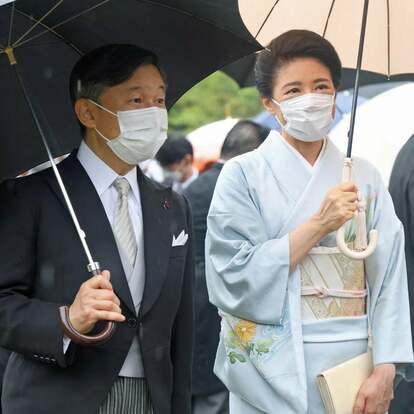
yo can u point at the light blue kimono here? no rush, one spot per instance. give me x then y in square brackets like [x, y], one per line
[259, 198]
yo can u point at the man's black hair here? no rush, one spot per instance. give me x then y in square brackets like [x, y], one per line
[245, 136]
[174, 150]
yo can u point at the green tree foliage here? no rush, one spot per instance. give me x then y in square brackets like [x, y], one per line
[213, 99]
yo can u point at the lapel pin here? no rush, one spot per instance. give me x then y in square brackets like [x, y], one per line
[166, 204]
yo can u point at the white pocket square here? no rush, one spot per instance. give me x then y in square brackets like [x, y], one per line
[181, 239]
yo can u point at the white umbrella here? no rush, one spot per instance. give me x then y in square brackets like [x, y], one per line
[208, 140]
[389, 48]
[383, 126]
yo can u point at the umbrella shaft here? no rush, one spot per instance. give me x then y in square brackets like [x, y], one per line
[92, 264]
[358, 70]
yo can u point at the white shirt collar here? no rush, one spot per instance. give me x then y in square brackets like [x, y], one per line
[101, 174]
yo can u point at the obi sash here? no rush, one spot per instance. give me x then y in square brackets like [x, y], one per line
[332, 285]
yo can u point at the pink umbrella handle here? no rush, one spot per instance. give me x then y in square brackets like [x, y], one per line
[364, 249]
[355, 254]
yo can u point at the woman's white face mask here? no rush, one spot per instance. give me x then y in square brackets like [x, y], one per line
[142, 133]
[308, 117]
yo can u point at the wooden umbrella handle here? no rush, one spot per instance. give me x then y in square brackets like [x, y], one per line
[77, 337]
[81, 339]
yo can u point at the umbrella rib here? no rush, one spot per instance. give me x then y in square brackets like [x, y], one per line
[49, 30]
[328, 18]
[145, 1]
[64, 22]
[267, 18]
[389, 38]
[11, 24]
[37, 23]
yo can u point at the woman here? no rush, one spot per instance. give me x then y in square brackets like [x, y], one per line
[273, 212]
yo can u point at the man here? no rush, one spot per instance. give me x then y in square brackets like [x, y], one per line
[209, 394]
[176, 157]
[402, 192]
[139, 231]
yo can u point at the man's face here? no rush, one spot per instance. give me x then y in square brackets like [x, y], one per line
[182, 170]
[144, 89]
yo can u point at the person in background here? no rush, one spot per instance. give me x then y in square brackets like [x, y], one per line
[176, 158]
[402, 192]
[209, 393]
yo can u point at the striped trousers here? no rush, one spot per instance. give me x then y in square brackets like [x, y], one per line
[128, 396]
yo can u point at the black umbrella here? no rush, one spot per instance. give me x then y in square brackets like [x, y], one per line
[193, 38]
[40, 40]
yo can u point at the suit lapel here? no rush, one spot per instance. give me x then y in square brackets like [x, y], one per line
[94, 222]
[157, 237]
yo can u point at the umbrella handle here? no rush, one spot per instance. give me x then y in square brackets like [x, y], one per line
[354, 254]
[364, 249]
[77, 337]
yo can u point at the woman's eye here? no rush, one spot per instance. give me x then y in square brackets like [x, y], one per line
[160, 101]
[136, 100]
[322, 87]
[293, 90]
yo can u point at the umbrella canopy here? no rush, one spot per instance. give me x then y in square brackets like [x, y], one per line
[383, 126]
[242, 71]
[193, 38]
[388, 48]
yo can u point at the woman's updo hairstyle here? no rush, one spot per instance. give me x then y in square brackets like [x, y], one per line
[289, 46]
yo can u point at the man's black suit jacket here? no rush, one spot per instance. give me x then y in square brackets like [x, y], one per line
[402, 192]
[207, 326]
[42, 266]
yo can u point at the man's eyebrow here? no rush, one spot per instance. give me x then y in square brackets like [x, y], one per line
[135, 88]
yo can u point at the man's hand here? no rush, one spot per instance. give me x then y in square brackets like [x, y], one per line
[95, 301]
[377, 392]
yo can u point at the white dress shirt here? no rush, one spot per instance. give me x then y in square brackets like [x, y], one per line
[103, 177]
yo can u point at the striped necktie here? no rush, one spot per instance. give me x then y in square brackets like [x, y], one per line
[123, 230]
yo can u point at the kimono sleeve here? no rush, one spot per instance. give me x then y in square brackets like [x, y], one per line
[247, 271]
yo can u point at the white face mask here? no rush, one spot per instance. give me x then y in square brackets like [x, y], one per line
[173, 176]
[308, 117]
[142, 133]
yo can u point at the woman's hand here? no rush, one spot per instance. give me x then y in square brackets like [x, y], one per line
[376, 392]
[338, 207]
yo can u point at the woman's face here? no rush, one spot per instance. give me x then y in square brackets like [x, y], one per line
[299, 77]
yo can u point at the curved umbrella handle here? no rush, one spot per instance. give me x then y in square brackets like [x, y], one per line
[77, 337]
[363, 249]
[81, 339]
[355, 254]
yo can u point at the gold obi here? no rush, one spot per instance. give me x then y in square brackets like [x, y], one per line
[333, 285]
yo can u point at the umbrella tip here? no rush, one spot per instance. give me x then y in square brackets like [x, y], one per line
[10, 54]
